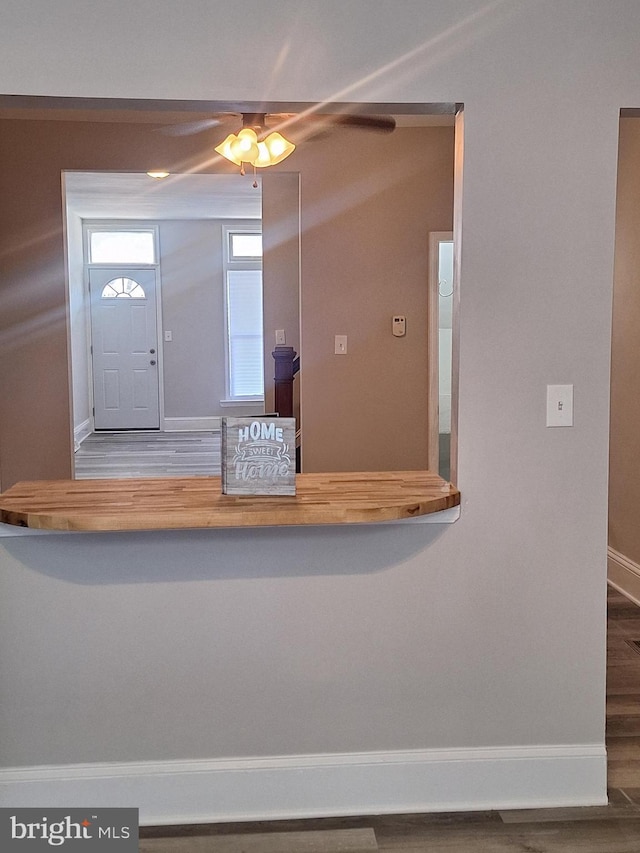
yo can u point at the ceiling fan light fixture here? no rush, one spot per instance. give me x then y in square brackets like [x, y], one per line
[264, 158]
[278, 147]
[244, 147]
[224, 149]
[158, 174]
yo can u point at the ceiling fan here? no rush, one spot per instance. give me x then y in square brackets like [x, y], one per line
[308, 120]
[259, 141]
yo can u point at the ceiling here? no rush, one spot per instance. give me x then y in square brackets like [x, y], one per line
[118, 195]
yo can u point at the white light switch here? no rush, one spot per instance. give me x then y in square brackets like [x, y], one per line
[168, 336]
[559, 405]
[280, 338]
[341, 345]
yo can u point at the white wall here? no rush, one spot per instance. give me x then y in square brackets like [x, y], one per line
[192, 285]
[445, 334]
[482, 641]
[193, 310]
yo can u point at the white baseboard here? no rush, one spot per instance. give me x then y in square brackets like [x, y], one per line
[201, 791]
[188, 424]
[623, 574]
[81, 432]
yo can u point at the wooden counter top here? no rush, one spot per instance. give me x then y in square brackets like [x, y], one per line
[197, 502]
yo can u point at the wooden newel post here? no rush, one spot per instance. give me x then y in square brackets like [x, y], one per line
[283, 380]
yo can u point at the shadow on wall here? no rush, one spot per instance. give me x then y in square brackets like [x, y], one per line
[104, 559]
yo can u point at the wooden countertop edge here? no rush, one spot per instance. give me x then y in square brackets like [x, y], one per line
[50, 505]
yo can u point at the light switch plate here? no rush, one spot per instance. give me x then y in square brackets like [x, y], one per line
[341, 345]
[559, 405]
[280, 338]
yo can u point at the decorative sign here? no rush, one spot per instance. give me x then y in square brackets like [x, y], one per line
[258, 456]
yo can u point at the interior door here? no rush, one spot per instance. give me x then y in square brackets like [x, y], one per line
[124, 338]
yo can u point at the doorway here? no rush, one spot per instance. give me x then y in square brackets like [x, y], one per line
[440, 336]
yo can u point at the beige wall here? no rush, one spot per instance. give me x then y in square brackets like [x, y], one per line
[366, 218]
[624, 452]
[280, 267]
[368, 202]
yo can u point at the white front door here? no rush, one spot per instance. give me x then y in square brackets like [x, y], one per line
[124, 340]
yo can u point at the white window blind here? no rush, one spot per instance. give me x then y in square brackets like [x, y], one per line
[244, 318]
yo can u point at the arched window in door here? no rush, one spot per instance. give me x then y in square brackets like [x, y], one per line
[125, 288]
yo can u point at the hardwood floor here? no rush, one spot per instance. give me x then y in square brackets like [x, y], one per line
[614, 828]
[574, 831]
[623, 694]
[117, 455]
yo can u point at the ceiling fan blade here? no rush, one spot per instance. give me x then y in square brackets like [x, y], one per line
[315, 121]
[191, 127]
[380, 124]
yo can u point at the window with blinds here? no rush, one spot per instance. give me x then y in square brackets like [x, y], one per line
[244, 332]
[244, 320]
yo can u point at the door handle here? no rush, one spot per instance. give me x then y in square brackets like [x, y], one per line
[153, 361]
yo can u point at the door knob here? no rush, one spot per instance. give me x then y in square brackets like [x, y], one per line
[152, 351]
[153, 361]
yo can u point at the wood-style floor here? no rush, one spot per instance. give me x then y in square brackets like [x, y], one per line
[121, 455]
[623, 695]
[614, 828]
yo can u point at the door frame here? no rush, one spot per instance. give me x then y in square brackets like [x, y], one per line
[433, 348]
[122, 225]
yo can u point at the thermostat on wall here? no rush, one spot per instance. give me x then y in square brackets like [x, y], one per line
[399, 325]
